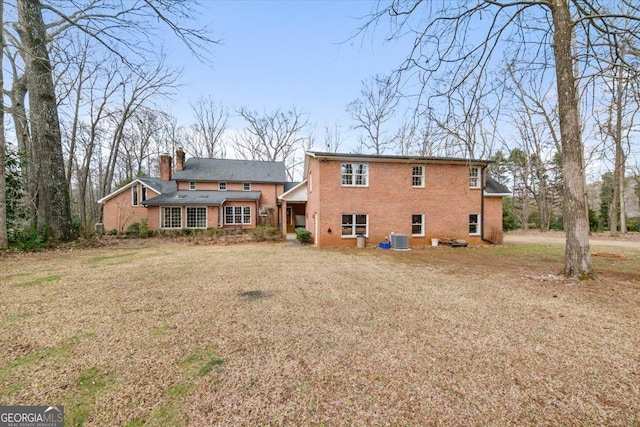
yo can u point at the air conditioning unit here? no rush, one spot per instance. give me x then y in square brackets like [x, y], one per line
[399, 241]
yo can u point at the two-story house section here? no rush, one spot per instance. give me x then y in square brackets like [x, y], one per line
[423, 197]
[201, 193]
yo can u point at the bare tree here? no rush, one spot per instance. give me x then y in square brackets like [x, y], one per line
[4, 242]
[619, 123]
[372, 111]
[52, 198]
[332, 138]
[115, 27]
[577, 32]
[273, 136]
[536, 121]
[208, 130]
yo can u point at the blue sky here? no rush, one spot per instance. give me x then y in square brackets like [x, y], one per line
[284, 53]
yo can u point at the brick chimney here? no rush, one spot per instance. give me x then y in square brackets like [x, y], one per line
[165, 167]
[179, 159]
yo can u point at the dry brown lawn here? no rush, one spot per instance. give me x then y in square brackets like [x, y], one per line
[171, 334]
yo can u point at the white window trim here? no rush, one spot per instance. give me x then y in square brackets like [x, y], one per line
[478, 178]
[421, 176]
[353, 175]
[234, 215]
[186, 216]
[422, 223]
[244, 186]
[220, 184]
[192, 187]
[161, 222]
[478, 224]
[353, 236]
[134, 195]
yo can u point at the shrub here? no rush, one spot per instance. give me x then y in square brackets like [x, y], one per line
[633, 223]
[138, 229]
[214, 232]
[303, 236]
[264, 233]
[31, 239]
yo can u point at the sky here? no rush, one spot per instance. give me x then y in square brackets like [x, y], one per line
[280, 54]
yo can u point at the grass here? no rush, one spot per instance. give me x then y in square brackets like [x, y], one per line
[263, 334]
[39, 281]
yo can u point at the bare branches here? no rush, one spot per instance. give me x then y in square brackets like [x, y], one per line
[375, 107]
[273, 136]
[208, 130]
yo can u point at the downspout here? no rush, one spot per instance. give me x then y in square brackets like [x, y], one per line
[482, 177]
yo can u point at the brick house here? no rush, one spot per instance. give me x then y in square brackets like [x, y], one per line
[345, 195]
[201, 193]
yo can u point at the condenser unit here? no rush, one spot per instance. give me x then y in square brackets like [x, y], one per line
[399, 242]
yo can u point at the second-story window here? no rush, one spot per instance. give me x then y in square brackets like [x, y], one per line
[474, 177]
[222, 186]
[355, 174]
[192, 185]
[417, 179]
[246, 186]
[134, 195]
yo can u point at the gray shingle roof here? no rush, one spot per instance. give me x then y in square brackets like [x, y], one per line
[494, 187]
[159, 185]
[197, 169]
[199, 197]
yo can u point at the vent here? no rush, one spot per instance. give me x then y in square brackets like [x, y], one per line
[399, 241]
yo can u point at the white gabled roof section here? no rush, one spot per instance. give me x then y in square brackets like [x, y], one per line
[296, 194]
[126, 187]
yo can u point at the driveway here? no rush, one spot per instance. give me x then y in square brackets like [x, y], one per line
[626, 241]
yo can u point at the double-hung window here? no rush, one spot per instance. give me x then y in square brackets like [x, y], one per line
[171, 217]
[474, 177]
[246, 186]
[474, 224]
[355, 224]
[237, 215]
[417, 178]
[192, 185]
[355, 174]
[417, 225]
[222, 186]
[196, 217]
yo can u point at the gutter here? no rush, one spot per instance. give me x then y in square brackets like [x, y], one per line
[484, 239]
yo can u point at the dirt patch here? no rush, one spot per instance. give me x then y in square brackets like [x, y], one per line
[264, 334]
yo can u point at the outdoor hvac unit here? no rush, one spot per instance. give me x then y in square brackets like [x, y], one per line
[399, 241]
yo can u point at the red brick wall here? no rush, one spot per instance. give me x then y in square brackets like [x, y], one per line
[493, 219]
[390, 200]
[118, 213]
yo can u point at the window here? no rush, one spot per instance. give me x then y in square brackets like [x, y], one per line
[354, 224]
[417, 225]
[355, 174]
[417, 179]
[474, 224]
[197, 217]
[246, 186]
[144, 193]
[134, 195]
[192, 185]
[222, 186]
[237, 215]
[474, 177]
[171, 217]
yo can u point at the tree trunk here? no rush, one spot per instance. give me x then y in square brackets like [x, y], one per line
[576, 220]
[53, 203]
[4, 242]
